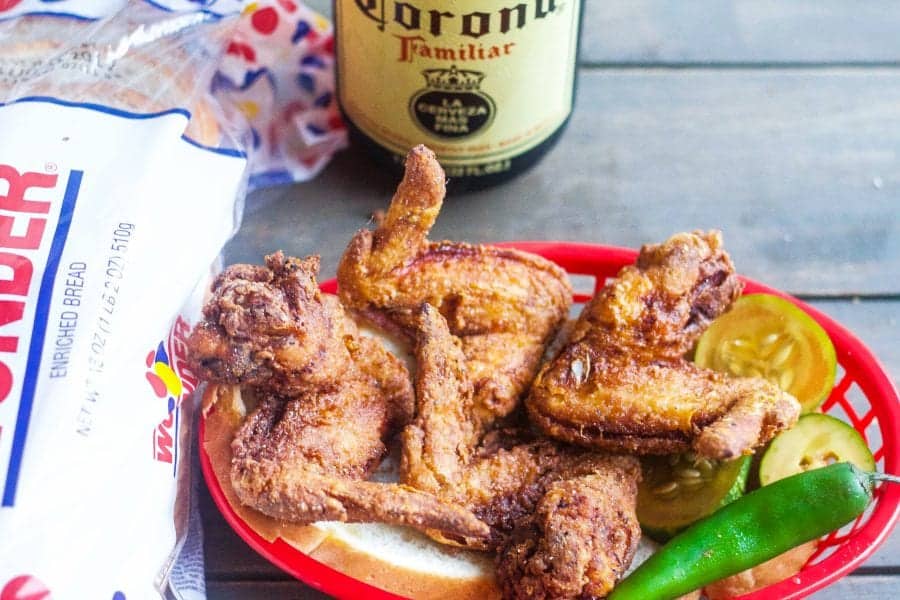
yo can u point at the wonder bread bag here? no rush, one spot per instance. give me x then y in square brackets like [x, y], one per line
[121, 178]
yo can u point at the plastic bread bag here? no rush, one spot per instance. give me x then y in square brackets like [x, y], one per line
[278, 72]
[121, 178]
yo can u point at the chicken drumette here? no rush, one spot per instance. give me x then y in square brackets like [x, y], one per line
[562, 518]
[503, 304]
[328, 400]
[622, 383]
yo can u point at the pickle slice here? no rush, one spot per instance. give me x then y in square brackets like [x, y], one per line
[679, 489]
[766, 336]
[816, 440]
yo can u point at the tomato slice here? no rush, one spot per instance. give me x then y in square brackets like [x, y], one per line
[816, 440]
[766, 336]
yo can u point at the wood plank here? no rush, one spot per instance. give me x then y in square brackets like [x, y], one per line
[677, 32]
[859, 587]
[876, 323]
[797, 167]
[740, 31]
[262, 590]
[862, 587]
[227, 555]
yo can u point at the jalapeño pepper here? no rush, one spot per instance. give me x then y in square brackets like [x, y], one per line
[753, 529]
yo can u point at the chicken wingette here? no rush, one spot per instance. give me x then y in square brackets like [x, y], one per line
[503, 304]
[622, 381]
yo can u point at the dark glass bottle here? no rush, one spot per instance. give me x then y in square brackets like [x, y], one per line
[488, 85]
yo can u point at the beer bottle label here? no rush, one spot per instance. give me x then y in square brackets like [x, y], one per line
[480, 82]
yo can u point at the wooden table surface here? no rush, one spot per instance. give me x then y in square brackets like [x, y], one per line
[776, 122]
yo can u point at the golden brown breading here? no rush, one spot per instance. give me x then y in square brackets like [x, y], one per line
[564, 510]
[442, 451]
[270, 325]
[579, 540]
[304, 459]
[503, 304]
[328, 401]
[622, 383]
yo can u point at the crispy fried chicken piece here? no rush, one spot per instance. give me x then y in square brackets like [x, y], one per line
[504, 305]
[270, 326]
[622, 382]
[578, 541]
[565, 511]
[329, 400]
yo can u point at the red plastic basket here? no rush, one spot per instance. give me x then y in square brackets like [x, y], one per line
[862, 396]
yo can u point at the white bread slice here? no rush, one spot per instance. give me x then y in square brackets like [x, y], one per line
[396, 559]
[78, 67]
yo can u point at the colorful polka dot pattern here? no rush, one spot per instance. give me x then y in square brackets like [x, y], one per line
[278, 73]
[24, 587]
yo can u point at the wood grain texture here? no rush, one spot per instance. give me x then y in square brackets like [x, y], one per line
[227, 555]
[262, 590]
[746, 32]
[799, 169]
[675, 32]
[876, 323]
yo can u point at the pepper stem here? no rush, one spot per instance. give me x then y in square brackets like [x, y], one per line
[885, 477]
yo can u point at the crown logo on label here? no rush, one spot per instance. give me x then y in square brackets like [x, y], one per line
[453, 79]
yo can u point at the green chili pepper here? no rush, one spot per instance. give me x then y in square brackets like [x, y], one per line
[753, 529]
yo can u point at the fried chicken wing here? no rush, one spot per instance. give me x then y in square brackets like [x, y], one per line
[270, 326]
[578, 541]
[328, 400]
[566, 512]
[504, 305]
[622, 382]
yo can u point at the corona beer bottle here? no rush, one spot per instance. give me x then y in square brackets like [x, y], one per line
[487, 84]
